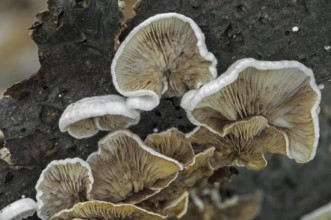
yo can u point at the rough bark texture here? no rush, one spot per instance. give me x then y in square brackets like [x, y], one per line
[76, 44]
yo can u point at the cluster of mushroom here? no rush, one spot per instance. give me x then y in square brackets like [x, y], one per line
[253, 108]
[123, 173]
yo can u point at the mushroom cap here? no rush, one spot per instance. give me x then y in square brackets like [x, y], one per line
[165, 55]
[19, 209]
[244, 144]
[124, 169]
[284, 92]
[244, 207]
[106, 210]
[171, 143]
[178, 207]
[197, 169]
[87, 116]
[62, 184]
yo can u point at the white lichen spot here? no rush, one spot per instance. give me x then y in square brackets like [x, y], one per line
[327, 47]
[295, 29]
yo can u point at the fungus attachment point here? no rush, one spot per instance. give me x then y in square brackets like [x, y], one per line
[62, 184]
[125, 169]
[87, 116]
[284, 93]
[166, 55]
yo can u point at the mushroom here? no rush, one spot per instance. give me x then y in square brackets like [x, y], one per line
[198, 168]
[166, 55]
[284, 92]
[87, 116]
[177, 207]
[19, 209]
[171, 143]
[238, 207]
[244, 144]
[124, 169]
[107, 211]
[322, 213]
[62, 184]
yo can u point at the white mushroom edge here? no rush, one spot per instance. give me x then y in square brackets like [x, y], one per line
[19, 209]
[193, 97]
[146, 100]
[96, 106]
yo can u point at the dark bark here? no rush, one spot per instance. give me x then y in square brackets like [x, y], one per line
[76, 45]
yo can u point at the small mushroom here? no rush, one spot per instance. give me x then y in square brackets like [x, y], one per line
[284, 92]
[19, 209]
[244, 144]
[197, 169]
[107, 211]
[166, 55]
[87, 116]
[177, 207]
[62, 184]
[124, 169]
[171, 143]
[322, 213]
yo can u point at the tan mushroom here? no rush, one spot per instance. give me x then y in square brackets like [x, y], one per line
[196, 170]
[171, 143]
[244, 144]
[87, 116]
[106, 211]
[62, 184]
[238, 207]
[177, 207]
[283, 92]
[124, 169]
[166, 55]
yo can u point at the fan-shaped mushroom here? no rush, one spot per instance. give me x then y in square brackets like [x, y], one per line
[166, 55]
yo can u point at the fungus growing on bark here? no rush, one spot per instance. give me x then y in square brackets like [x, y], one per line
[171, 143]
[87, 116]
[177, 207]
[62, 184]
[244, 143]
[19, 209]
[106, 210]
[194, 171]
[166, 55]
[283, 92]
[124, 169]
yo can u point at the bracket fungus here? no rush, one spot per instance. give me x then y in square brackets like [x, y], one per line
[124, 169]
[62, 184]
[173, 143]
[166, 55]
[284, 92]
[87, 116]
[107, 211]
[178, 207]
[244, 143]
[19, 209]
